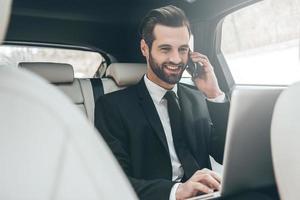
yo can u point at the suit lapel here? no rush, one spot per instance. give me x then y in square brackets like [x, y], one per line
[151, 113]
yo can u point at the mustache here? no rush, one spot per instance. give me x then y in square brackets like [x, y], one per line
[181, 64]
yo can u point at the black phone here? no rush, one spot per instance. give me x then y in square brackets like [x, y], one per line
[193, 68]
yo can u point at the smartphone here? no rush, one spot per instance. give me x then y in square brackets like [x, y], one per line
[193, 68]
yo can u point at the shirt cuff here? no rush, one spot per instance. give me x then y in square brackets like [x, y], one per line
[173, 191]
[219, 99]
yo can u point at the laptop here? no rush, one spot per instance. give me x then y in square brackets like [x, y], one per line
[247, 155]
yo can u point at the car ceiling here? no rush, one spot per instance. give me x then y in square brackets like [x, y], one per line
[109, 25]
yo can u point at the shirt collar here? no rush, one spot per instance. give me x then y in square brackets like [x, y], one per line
[157, 92]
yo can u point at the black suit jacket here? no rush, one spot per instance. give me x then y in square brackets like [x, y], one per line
[130, 124]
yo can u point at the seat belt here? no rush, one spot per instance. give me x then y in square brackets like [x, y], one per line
[98, 89]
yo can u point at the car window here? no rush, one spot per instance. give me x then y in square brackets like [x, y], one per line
[261, 43]
[85, 63]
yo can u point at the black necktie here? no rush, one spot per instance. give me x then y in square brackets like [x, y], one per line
[186, 158]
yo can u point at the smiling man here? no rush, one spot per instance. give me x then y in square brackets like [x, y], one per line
[161, 131]
[166, 70]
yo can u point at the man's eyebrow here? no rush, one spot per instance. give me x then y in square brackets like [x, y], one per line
[167, 45]
[164, 45]
[184, 46]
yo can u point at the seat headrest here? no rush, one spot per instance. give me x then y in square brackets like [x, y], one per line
[53, 72]
[126, 74]
[5, 8]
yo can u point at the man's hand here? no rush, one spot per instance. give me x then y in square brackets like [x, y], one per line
[207, 81]
[203, 181]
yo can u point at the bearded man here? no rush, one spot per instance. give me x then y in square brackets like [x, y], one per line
[161, 131]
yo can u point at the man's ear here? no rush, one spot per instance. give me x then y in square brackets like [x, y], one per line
[144, 48]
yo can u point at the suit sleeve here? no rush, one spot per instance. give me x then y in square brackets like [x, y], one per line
[109, 123]
[219, 117]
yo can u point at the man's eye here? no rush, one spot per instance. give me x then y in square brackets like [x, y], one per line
[165, 49]
[183, 50]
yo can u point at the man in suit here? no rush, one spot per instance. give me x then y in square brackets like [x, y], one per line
[160, 131]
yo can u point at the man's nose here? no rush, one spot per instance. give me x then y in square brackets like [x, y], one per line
[175, 57]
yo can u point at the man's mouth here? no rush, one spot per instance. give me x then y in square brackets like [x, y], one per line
[173, 67]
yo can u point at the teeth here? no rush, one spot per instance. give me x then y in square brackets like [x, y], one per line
[172, 67]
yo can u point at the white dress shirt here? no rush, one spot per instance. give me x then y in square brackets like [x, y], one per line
[157, 94]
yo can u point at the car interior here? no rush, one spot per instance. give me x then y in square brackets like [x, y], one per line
[44, 154]
[54, 108]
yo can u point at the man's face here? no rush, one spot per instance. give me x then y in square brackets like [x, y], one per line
[168, 56]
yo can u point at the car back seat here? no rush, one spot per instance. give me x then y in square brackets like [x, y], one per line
[84, 92]
[62, 75]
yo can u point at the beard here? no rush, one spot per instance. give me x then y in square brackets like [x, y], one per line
[161, 70]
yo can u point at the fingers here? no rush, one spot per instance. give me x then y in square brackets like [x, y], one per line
[190, 189]
[200, 187]
[196, 56]
[202, 60]
[207, 177]
[211, 182]
[212, 173]
[208, 180]
[216, 176]
[203, 181]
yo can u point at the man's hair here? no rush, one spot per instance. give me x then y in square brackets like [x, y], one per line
[168, 16]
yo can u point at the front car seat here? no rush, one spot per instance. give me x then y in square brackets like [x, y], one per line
[48, 149]
[285, 142]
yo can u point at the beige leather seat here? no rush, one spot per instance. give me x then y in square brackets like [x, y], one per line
[48, 149]
[121, 75]
[285, 142]
[80, 91]
[62, 76]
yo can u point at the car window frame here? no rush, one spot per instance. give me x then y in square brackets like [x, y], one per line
[107, 57]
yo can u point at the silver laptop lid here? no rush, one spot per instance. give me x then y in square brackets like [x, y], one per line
[247, 157]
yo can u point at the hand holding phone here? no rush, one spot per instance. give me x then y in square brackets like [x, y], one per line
[203, 75]
[194, 68]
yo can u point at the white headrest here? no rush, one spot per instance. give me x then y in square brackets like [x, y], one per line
[53, 72]
[126, 74]
[285, 142]
[5, 6]
[48, 149]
